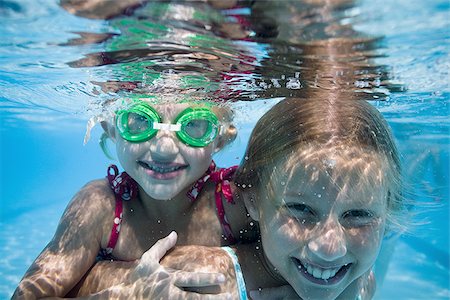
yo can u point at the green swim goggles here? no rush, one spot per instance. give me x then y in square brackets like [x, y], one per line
[194, 126]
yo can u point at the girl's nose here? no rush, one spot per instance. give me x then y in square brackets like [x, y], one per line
[164, 146]
[329, 243]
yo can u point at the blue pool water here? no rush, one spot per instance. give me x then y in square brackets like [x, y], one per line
[45, 104]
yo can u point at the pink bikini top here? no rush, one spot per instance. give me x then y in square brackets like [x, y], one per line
[126, 188]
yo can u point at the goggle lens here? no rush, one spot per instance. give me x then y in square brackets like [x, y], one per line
[137, 123]
[198, 127]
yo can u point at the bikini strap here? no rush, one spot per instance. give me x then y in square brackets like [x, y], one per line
[195, 190]
[124, 188]
[222, 179]
[242, 291]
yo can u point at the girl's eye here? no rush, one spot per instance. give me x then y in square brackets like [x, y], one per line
[196, 128]
[300, 210]
[302, 213]
[358, 217]
[136, 123]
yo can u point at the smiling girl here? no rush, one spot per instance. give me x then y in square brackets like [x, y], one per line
[322, 178]
[170, 183]
[325, 190]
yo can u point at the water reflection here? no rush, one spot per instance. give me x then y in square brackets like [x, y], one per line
[260, 49]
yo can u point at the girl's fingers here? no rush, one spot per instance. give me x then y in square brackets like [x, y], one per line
[185, 279]
[159, 249]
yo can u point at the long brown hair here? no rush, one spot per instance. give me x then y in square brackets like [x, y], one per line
[324, 121]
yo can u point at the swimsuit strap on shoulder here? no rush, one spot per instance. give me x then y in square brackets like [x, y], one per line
[242, 291]
[195, 190]
[222, 178]
[122, 184]
[124, 188]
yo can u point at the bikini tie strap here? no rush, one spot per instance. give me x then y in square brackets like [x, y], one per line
[222, 179]
[124, 188]
[122, 184]
[195, 190]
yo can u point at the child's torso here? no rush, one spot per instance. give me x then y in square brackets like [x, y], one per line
[208, 219]
[138, 232]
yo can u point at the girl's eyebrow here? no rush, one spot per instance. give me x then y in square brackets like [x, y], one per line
[292, 194]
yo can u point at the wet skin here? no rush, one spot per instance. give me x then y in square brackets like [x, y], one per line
[320, 236]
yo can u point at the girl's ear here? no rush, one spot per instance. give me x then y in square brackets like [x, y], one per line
[251, 202]
[226, 135]
[109, 129]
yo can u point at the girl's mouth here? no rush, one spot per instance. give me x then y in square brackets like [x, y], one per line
[163, 171]
[322, 276]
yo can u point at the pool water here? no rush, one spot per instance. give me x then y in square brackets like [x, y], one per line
[51, 83]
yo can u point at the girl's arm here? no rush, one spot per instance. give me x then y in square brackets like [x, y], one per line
[148, 278]
[73, 249]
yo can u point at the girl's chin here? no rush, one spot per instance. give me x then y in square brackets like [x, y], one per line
[162, 196]
[163, 191]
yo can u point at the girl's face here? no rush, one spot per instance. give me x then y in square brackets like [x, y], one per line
[164, 166]
[320, 233]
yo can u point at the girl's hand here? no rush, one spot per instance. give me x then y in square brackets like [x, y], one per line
[285, 292]
[152, 281]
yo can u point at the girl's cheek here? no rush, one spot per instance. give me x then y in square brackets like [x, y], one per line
[365, 237]
[290, 230]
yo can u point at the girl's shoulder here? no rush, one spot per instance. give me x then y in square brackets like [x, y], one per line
[96, 197]
[98, 190]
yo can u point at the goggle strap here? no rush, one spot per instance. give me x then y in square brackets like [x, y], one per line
[166, 126]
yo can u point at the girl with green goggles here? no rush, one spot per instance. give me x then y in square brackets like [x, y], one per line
[195, 126]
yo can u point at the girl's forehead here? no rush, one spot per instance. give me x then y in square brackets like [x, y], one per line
[347, 174]
[317, 187]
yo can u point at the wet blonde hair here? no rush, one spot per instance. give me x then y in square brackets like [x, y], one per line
[336, 131]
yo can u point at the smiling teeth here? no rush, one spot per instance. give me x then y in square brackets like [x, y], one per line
[321, 273]
[163, 170]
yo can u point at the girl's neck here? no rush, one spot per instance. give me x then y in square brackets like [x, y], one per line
[251, 257]
[164, 209]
